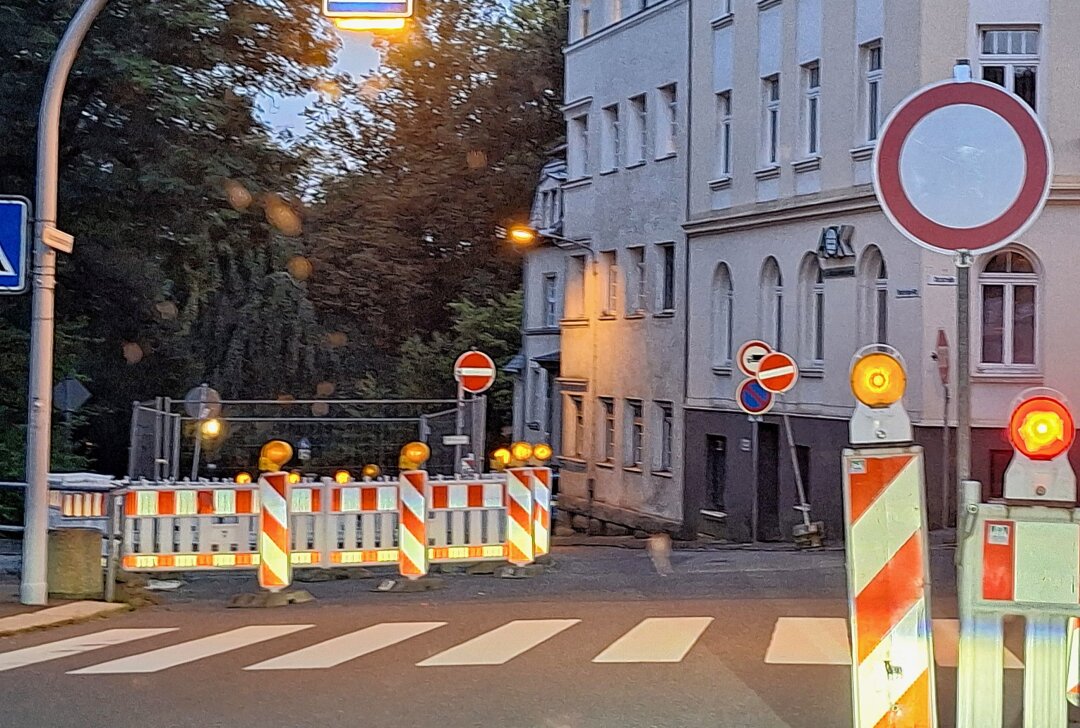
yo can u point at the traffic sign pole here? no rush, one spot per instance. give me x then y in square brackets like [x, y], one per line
[963, 376]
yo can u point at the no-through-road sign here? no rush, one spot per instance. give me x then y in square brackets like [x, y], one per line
[753, 399]
[14, 244]
[474, 371]
[962, 165]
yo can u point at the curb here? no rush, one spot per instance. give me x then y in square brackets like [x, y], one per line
[55, 616]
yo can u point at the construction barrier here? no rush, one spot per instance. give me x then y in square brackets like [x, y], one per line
[888, 578]
[275, 567]
[541, 489]
[1016, 560]
[410, 522]
[519, 522]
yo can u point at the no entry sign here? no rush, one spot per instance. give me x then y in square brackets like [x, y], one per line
[962, 165]
[778, 372]
[753, 399]
[474, 371]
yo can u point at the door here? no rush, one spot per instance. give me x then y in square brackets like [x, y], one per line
[768, 485]
[716, 464]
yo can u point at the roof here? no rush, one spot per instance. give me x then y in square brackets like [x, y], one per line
[552, 358]
[515, 365]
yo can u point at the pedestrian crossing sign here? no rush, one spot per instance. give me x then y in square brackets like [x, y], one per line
[14, 244]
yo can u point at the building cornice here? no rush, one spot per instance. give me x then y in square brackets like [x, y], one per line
[853, 200]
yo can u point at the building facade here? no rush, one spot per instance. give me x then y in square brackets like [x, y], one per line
[781, 239]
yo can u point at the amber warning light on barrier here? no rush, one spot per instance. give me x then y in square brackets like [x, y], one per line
[1041, 428]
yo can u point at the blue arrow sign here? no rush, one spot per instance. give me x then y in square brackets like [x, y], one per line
[14, 244]
[753, 398]
[367, 8]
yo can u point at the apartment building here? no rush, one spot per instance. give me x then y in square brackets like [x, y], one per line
[732, 140]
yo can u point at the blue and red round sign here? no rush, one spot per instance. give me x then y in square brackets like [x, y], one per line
[754, 399]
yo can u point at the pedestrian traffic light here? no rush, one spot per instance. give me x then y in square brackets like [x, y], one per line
[274, 455]
[1041, 430]
[413, 456]
[542, 452]
[878, 380]
[342, 477]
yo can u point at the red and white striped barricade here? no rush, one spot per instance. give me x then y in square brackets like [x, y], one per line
[888, 588]
[541, 491]
[519, 516]
[362, 524]
[467, 520]
[275, 564]
[412, 523]
[1016, 560]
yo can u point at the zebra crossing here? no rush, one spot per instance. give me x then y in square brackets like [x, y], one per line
[806, 641]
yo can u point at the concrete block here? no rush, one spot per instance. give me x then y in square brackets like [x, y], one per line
[564, 530]
[638, 533]
[313, 576]
[596, 527]
[484, 568]
[267, 600]
[615, 529]
[74, 565]
[580, 523]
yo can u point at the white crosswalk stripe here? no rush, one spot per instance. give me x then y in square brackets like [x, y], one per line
[186, 652]
[336, 651]
[657, 639]
[75, 646]
[825, 641]
[501, 644]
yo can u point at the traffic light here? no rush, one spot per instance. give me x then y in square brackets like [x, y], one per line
[1041, 430]
[878, 380]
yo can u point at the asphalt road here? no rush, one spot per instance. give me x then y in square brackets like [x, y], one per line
[602, 641]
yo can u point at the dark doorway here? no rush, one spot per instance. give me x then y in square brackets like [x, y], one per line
[802, 454]
[716, 448]
[768, 485]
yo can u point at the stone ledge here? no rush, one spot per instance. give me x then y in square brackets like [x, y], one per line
[592, 517]
[63, 614]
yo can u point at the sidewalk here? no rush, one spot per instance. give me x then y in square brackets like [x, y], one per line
[18, 617]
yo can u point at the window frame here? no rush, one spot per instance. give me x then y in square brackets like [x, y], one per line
[669, 108]
[666, 454]
[873, 69]
[1009, 281]
[635, 434]
[639, 118]
[811, 77]
[772, 304]
[1011, 61]
[724, 130]
[550, 300]
[612, 152]
[666, 289]
[580, 146]
[576, 430]
[610, 292]
[723, 346]
[770, 122]
[607, 429]
[637, 275]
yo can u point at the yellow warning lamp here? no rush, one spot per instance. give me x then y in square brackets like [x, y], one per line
[274, 455]
[243, 478]
[294, 477]
[542, 452]
[878, 379]
[1041, 427]
[211, 428]
[520, 453]
[371, 471]
[500, 459]
[413, 456]
[342, 477]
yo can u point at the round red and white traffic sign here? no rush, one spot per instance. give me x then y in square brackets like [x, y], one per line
[962, 165]
[778, 372]
[474, 371]
[750, 355]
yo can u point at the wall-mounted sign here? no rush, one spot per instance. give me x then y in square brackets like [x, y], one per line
[907, 292]
[835, 242]
[941, 281]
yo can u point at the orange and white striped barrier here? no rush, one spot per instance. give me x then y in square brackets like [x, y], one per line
[519, 520]
[275, 566]
[541, 526]
[1072, 687]
[888, 578]
[412, 539]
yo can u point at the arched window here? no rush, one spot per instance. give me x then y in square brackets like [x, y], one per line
[771, 315]
[723, 317]
[1008, 295]
[873, 297]
[812, 311]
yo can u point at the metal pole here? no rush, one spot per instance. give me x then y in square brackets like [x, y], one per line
[754, 475]
[804, 507]
[945, 462]
[459, 427]
[203, 411]
[963, 375]
[34, 588]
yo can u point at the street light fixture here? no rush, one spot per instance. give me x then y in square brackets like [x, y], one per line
[523, 236]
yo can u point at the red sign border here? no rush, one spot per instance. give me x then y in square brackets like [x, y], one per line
[742, 349]
[794, 379]
[738, 397]
[461, 380]
[989, 236]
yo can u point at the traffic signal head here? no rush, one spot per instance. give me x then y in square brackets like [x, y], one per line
[542, 452]
[1041, 427]
[371, 471]
[414, 455]
[878, 378]
[274, 455]
[342, 477]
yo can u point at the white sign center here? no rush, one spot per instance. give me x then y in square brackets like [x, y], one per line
[962, 166]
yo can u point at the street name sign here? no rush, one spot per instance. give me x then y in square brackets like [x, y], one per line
[14, 244]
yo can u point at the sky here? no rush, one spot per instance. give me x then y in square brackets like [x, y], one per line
[356, 57]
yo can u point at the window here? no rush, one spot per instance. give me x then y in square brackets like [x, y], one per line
[579, 146]
[812, 282]
[575, 287]
[616, 10]
[872, 73]
[637, 134]
[612, 142]
[584, 16]
[611, 280]
[1008, 290]
[812, 108]
[1010, 57]
[538, 392]
[668, 131]
[575, 429]
[667, 276]
[551, 300]
[723, 134]
[772, 304]
[873, 297]
[723, 317]
[770, 133]
[635, 430]
[607, 422]
[725, 7]
[667, 435]
[635, 281]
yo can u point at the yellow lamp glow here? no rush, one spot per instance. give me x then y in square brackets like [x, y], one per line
[414, 455]
[521, 235]
[370, 23]
[521, 451]
[242, 478]
[342, 477]
[1041, 428]
[211, 428]
[371, 470]
[878, 380]
[500, 458]
[274, 455]
[542, 452]
[295, 477]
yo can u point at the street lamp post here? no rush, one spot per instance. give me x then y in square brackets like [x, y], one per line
[524, 236]
[34, 589]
